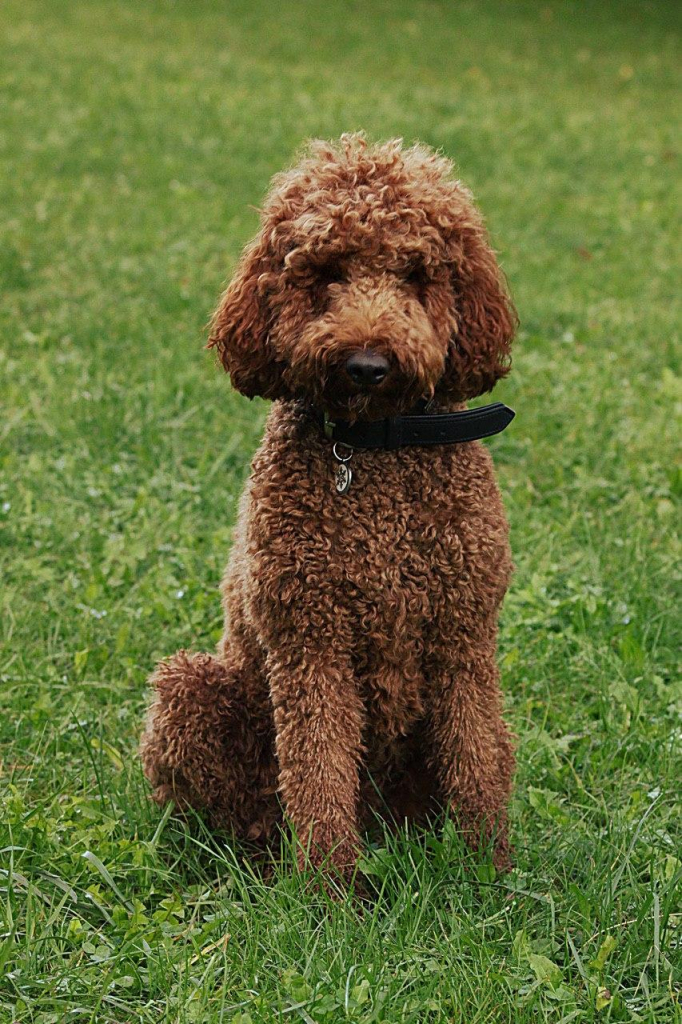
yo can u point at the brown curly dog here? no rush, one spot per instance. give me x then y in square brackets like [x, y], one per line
[357, 669]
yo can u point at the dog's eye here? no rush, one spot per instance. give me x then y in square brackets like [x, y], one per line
[324, 276]
[331, 273]
[416, 276]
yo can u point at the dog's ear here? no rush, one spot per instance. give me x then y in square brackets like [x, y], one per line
[240, 325]
[484, 315]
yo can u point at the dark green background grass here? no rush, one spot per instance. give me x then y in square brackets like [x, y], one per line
[135, 139]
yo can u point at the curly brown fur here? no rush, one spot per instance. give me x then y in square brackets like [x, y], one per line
[357, 667]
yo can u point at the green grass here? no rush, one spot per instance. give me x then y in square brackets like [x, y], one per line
[135, 140]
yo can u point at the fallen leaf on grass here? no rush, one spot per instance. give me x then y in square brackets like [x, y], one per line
[220, 944]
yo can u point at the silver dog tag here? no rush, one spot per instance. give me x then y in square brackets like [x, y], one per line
[343, 478]
[343, 474]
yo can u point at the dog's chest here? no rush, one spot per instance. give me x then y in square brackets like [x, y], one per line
[385, 559]
[397, 549]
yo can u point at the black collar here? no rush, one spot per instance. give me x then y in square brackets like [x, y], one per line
[422, 428]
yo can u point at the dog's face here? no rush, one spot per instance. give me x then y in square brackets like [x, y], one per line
[370, 285]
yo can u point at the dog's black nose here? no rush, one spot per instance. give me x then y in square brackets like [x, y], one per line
[367, 368]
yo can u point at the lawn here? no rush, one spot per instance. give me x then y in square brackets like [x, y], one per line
[135, 141]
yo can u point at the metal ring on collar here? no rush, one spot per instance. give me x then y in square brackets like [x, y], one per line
[338, 457]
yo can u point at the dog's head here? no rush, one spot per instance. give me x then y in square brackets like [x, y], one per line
[371, 284]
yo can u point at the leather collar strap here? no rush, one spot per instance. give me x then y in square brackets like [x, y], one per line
[422, 429]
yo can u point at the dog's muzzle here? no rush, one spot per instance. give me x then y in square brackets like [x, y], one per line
[367, 369]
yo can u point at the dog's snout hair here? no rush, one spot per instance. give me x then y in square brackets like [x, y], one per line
[375, 315]
[366, 247]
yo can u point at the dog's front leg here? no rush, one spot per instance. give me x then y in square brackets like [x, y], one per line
[318, 722]
[470, 741]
